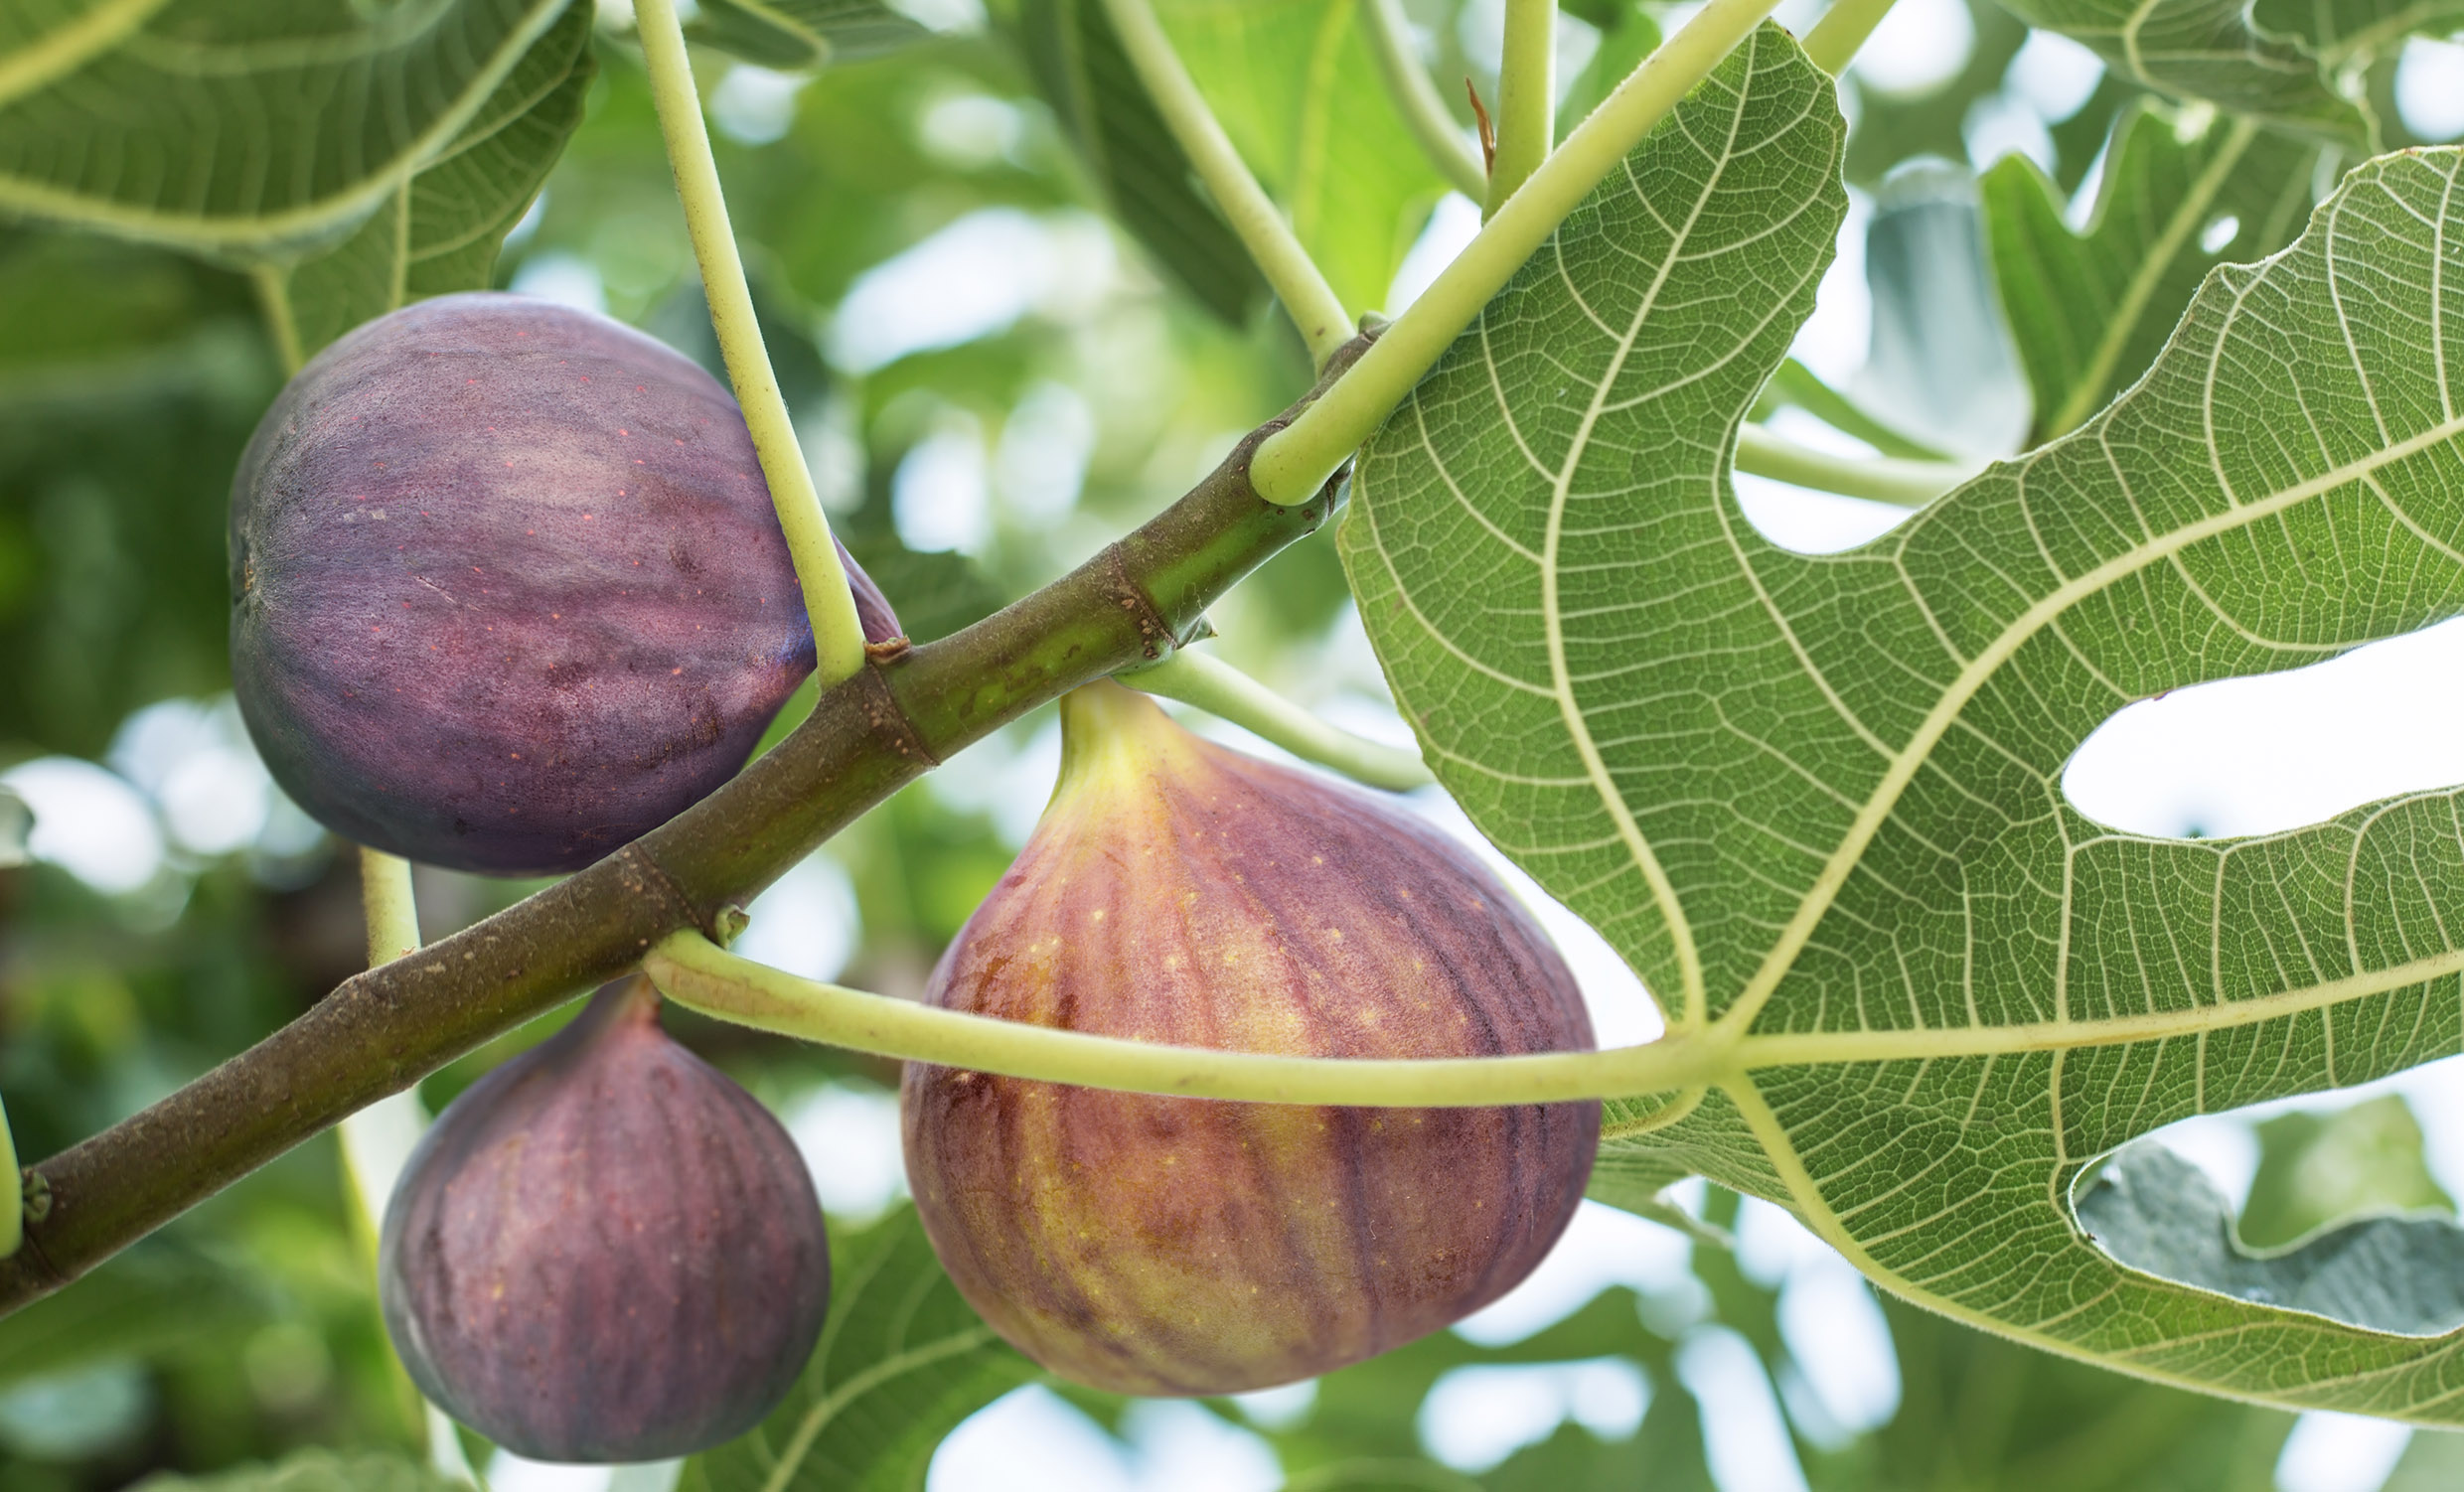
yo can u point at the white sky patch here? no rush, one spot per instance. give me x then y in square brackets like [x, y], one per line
[1477, 1417]
[89, 821]
[2430, 88]
[849, 1137]
[2054, 74]
[755, 105]
[1918, 47]
[970, 131]
[2001, 124]
[974, 278]
[1833, 340]
[566, 278]
[1848, 1371]
[941, 496]
[195, 759]
[1454, 223]
[1744, 1437]
[1034, 1441]
[2329, 1452]
[1600, 1248]
[1039, 465]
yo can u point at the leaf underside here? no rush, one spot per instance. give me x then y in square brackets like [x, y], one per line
[1818, 799]
[798, 35]
[242, 130]
[2206, 50]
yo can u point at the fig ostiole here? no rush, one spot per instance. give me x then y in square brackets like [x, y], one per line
[1175, 891]
[507, 586]
[605, 1249]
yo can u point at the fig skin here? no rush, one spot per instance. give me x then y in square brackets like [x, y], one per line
[605, 1249]
[1178, 892]
[507, 586]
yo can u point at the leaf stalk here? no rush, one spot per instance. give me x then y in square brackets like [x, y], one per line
[1273, 247]
[1527, 99]
[1842, 32]
[1416, 98]
[838, 637]
[1294, 462]
[1223, 691]
[1877, 479]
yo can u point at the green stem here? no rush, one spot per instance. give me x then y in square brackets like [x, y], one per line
[1215, 687]
[1877, 479]
[1527, 99]
[1308, 298]
[1389, 36]
[1836, 38]
[837, 637]
[695, 973]
[12, 1191]
[392, 910]
[1298, 459]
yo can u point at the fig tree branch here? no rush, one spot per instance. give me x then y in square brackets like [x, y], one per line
[899, 715]
[1389, 36]
[1217, 687]
[695, 971]
[1527, 99]
[1299, 284]
[838, 637]
[1292, 463]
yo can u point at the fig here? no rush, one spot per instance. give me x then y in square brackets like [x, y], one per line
[1175, 891]
[605, 1249]
[507, 587]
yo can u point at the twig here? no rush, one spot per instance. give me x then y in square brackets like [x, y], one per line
[1221, 689]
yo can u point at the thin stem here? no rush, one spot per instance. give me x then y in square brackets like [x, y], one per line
[695, 973]
[1298, 459]
[1389, 36]
[392, 912]
[1308, 298]
[12, 1191]
[1877, 479]
[1221, 689]
[838, 637]
[1833, 42]
[1527, 99]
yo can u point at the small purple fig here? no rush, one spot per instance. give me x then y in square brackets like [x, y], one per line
[1182, 893]
[605, 1249]
[507, 587]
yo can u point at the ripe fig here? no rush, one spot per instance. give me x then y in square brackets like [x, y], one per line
[605, 1249]
[507, 587]
[1182, 893]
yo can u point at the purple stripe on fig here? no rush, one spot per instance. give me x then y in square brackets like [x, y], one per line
[507, 587]
[605, 1249]
[1178, 892]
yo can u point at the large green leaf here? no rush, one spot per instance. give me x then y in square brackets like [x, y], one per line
[146, 1303]
[2205, 50]
[318, 1471]
[2089, 311]
[440, 229]
[1296, 87]
[1815, 800]
[901, 1361]
[243, 128]
[2344, 34]
[1144, 177]
[794, 35]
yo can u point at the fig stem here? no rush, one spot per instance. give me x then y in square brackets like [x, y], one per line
[1876, 479]
[1389, 36]
[1836, 38]
[838, 634]
[1527, 99]
[1209, 683]
[700, 976]
[1298, 459]
[1273, 247]
[13, 1194]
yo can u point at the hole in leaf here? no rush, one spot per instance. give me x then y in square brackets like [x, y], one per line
[2266, 754]
[2344, 1212]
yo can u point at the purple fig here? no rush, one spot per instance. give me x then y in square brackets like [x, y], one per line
[605, 1249]
[1182, 893]
[507, 587]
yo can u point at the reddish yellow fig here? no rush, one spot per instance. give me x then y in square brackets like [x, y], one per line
[1178, 892]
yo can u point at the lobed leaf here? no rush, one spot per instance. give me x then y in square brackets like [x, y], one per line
[1817, 801]
[901, 1361]
[249, 129]
[2206, 50]
[2346, 34]
[2089, 311]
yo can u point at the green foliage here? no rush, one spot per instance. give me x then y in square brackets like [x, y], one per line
[318, 1471]
[2208, 50]
[901, 1362]
[799, 34]
[1138, 168]
[1816, 799]
[2089, 311]
[2317, 1168]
